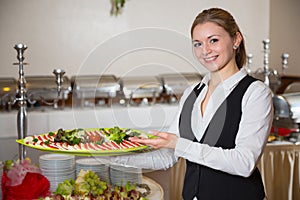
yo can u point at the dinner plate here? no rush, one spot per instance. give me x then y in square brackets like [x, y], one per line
[99, 166]
[57, 168]
[111, 148]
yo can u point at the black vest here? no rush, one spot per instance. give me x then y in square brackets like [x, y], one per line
[209, 184]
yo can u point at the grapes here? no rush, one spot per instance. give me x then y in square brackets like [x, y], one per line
[95, 186]
[88, 184]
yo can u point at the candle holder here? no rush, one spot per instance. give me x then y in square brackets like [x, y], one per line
[266, 43]
[284, 58]
[22, 98]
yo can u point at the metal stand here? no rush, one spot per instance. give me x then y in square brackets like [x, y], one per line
[249, 63]
[266, 61]
[21, 97]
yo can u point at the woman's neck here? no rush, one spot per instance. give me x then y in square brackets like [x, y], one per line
[221, 75]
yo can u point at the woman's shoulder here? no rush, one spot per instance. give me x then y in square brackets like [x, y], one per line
[259, 88]
[260, 85]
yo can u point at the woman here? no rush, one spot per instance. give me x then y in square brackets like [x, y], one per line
[223, 122]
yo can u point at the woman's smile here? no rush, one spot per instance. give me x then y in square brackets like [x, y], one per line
[210, 59]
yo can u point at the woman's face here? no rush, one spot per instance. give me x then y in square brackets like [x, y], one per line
[213, 46]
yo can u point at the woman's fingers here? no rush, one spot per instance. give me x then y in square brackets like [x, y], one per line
[163, 140]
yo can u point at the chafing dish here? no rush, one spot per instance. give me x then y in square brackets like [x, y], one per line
[41, 89]
[8, 89]
[292, 95]
[143, 89]
[293, 87]
[287, 111]
[94, 89]
[175, 84]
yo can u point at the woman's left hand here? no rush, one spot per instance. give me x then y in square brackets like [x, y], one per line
[162, 140]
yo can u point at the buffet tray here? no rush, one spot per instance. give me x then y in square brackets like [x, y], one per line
[109, 148]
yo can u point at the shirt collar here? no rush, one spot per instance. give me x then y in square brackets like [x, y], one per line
[230, 82]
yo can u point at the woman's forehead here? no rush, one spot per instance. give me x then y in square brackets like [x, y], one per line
[207, 30]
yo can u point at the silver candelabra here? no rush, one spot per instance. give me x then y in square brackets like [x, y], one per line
[21, 96]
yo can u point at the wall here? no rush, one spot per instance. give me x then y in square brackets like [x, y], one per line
[284, 34]
[148, 38]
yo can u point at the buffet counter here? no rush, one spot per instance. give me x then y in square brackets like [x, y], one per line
[279, 165]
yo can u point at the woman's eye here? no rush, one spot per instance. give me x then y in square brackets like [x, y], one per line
[197, 44]
[214, 40]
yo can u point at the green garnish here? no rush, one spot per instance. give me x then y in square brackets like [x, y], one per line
[69, 136]
[151, 136]
[51, 133]
[116, 134]
[35, 140]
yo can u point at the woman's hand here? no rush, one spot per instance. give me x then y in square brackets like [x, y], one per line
[163, 140]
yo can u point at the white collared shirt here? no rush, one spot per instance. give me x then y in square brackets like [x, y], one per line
[255, 124]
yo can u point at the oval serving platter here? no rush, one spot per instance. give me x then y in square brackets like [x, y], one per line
[93, 142]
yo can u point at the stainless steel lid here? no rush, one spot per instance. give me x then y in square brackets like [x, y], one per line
[46, 87]
[141, 87]
[293, 87]
[175, 84]
[292, 96]
[8, 90]
[95, 86]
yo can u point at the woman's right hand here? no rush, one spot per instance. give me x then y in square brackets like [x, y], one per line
[162, 140]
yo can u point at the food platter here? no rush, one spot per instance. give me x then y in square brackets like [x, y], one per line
[88, 142]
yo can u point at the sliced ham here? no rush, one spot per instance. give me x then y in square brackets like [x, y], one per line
[107, 145]
[130, 144]
[116, 145]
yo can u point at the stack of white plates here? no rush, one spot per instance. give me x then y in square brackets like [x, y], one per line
[57, 168]
[97, 165]
[120, 174]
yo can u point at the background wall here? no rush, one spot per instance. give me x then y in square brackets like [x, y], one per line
[149, 37]
[284, 34]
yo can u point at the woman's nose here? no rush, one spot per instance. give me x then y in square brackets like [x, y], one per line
[206, 49]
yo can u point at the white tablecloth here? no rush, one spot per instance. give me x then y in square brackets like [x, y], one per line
[280, 169]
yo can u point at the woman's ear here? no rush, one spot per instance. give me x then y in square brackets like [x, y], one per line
[237, 39]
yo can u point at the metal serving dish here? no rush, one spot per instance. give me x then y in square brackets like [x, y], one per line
[175, 84]
[44, 89]
[8, 89]
[287, 110]
[142, 89]
[292, 96]
[88, 89]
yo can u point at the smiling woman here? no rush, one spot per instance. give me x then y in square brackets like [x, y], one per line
[222, 123]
